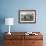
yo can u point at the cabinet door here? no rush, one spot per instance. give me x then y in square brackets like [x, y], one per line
[9, 43]
[13, 43]
[33, 43]
[19, 42]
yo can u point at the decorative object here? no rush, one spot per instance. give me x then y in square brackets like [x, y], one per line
[9, 21]
[27, 16]
[30, 33]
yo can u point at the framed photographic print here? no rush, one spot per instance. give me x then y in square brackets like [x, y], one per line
[27, 16]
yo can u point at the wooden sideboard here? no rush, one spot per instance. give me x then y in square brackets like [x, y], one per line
[20, 39]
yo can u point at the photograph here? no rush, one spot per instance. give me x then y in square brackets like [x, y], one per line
[27, 16]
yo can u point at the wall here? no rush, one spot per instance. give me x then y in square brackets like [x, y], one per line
[9, 8]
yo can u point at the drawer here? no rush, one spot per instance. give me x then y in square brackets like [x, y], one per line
[33, 43]
[28, 37]
[16, 37]
[37, 43]
[13, 43]
[9, 43]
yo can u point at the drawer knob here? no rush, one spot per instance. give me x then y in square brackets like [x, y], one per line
[33, 42]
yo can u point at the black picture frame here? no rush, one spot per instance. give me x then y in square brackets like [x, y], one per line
[27, 16]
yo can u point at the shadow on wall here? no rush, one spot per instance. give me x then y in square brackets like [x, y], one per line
[2, 21]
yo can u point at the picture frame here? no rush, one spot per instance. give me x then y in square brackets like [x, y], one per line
[27, 16]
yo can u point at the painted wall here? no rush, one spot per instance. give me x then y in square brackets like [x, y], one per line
[9, 8]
